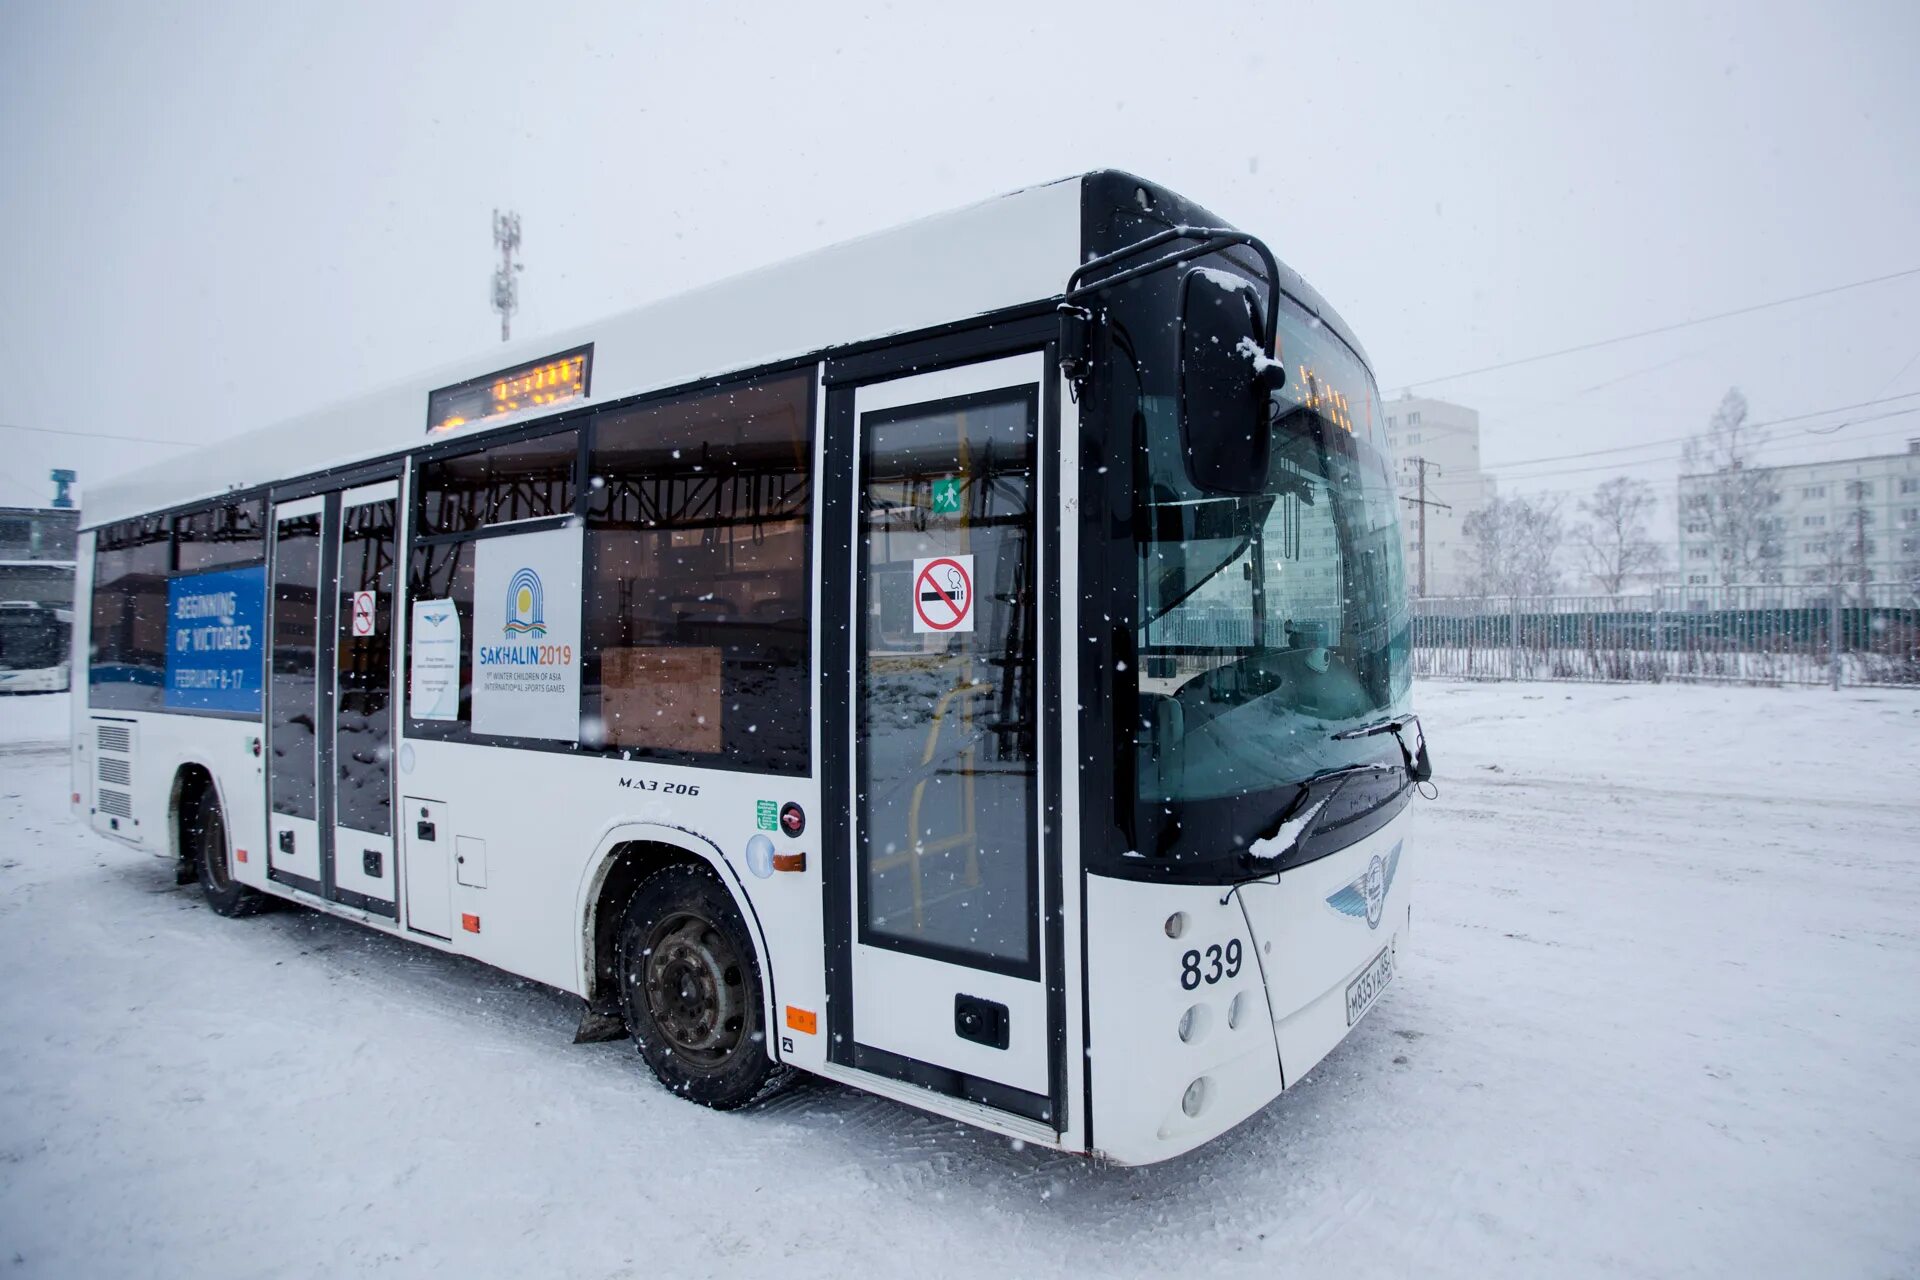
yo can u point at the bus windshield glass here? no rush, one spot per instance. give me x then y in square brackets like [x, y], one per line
[1270, 622]
[30, 639]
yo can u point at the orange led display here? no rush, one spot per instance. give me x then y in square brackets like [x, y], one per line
[550, 381]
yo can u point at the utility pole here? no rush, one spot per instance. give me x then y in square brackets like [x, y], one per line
[506, 284]
[1423, 502]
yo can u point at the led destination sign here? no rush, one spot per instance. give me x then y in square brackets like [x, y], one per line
[548, 381]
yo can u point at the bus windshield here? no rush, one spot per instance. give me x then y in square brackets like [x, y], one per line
[1270, 622]
[30, 639]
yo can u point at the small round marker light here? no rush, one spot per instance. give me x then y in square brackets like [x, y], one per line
[1195, 1023]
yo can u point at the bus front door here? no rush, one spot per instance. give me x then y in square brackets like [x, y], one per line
[330, 698]
[942, 951]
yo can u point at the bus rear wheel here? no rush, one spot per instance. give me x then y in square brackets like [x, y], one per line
[691, 990]
[204, 832]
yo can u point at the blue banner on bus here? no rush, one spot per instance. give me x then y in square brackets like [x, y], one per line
[216, 640]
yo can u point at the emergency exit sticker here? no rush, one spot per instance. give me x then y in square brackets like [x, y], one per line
[946, 496]
[943, 594]
[766, 815]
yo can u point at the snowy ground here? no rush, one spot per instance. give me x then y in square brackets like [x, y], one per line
[1661, 1018]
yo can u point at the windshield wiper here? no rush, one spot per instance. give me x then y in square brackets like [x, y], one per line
[1419, 767]
[1392, 724]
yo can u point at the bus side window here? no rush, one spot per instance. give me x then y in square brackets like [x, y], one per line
[697, 585]
[465, 493]
[129, 615]
[524, 480]
[215, 537]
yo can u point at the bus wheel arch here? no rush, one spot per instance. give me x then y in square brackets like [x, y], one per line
[626, 859]
[202, 843]
[190, 782]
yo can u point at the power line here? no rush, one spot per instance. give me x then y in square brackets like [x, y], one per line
[1665, 328]
[100, 435]
[18, 485]
[1770, 422]
[1675, 457]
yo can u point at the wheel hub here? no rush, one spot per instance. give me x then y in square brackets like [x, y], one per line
[695, 989]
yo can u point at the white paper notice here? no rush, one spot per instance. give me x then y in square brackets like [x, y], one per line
[433, 690]
[526, 635]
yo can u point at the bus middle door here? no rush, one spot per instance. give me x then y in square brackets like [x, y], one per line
[330, 697]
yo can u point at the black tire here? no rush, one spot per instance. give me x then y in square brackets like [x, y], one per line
[204, 832]
[691, 993]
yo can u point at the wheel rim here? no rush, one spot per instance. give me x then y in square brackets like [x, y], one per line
[213, 851]
[695, 989]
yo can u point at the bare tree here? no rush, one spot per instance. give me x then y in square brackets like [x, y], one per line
[1733, 497]
[1513, 542]
[1613, 540]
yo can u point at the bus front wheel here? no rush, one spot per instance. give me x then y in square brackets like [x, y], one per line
[691, 990]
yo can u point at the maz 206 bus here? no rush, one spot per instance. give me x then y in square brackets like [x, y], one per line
[969, 663]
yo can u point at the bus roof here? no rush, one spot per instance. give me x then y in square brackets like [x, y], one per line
[1008, 251]
[1012, 249]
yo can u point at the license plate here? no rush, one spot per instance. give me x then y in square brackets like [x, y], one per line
[1365, 989]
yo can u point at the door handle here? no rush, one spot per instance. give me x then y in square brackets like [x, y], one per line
[286, 842]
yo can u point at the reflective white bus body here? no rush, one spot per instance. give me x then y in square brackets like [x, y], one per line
[1118, 1043]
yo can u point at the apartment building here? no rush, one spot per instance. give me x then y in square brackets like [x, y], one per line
[1830, 520]
[1447, 436]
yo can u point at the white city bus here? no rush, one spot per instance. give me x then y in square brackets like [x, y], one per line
[969, 663]
[35, 644]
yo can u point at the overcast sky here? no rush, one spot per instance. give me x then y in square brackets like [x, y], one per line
[213, 216]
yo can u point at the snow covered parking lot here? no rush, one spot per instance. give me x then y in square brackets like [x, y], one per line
[1659, 1018]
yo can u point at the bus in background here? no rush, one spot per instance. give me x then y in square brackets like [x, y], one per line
[35, 647]
[969, 663]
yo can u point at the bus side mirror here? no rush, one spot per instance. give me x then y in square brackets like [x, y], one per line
[1419, 763]
[1076, 343]
[1226, 385]
[1422, 764]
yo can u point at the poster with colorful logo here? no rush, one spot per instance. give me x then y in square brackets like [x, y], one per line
[215, 637]
[526, 635]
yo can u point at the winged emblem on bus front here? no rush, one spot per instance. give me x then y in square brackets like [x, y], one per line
[1366, 897]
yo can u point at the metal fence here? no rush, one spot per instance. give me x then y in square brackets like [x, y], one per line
[1780, 635]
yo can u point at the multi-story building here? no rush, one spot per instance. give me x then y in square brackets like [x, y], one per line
[36, 554]
[1447, 436]
[1849, 520]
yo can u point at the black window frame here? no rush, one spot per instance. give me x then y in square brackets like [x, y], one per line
[583, 419]
[154, 528]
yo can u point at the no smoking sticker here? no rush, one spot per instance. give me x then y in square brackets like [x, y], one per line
[943, 594]
[363, 613]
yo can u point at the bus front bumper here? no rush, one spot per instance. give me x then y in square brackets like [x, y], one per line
[1205, 1003]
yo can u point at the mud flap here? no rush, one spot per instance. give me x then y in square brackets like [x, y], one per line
[598, 1026]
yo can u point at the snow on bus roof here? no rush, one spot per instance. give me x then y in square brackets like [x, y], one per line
[1001, 252]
